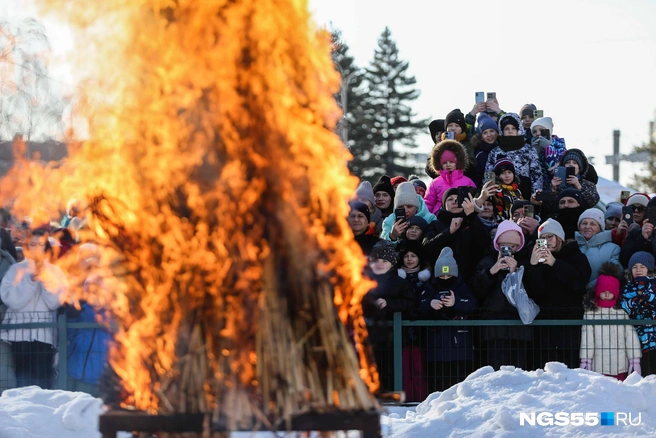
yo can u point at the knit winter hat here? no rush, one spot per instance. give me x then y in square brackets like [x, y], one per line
[574, 154]
[644, 258]
[527, 110]
[638, 199]
[570, 193]
[486, 122]
[436, 126]
[520, 203]
[384, 184]
[502, 165]
[613, 209]
[361, 207]
[446, 264]
[397, 180]
[607, 283]
[414, 179]
[448, 156]
[594, 214]
[551, 226]
[456, 116]
[447, 193]
[543, 121]
[406, 195]
[417, 221]
[383, 249]
[511, 119]
[365, 191]
[414, 247]
[511, 227]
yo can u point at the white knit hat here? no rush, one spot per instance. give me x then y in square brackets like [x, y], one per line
[594, 214]
[406, 195]
[543, 121]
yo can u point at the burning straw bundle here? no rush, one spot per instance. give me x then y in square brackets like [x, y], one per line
[213, 172]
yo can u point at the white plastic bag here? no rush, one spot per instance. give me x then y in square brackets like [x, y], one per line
[514, 291]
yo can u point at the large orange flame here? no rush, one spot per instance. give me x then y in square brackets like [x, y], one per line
[219, 190]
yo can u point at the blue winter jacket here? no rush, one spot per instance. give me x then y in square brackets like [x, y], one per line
[639, 301]
[87, 348]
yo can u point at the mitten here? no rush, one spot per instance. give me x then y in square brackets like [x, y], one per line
[634, 365]
[586, 364]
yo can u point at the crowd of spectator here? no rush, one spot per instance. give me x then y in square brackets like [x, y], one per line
[33, 292]
[507, 200]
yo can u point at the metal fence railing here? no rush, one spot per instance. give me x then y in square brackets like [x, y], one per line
[415, 356]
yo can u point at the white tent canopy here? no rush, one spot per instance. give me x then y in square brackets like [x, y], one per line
[609, 191]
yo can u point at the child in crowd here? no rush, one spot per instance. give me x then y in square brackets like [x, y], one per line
[452, 160]
[391, 294]
[416, 230]
[550, 148]
[414, 269]
[639, 301]
[450, 349]
[512, 145]
[577, 159]
[420, 186]
[487, 134]
[613, 350]
[508, 189]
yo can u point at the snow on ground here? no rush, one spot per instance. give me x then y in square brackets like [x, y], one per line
[486, 404]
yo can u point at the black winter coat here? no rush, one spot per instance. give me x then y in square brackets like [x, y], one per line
[494, 304]
[468, 242]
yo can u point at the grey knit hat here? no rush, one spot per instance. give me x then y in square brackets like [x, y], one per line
[365, 191]
[613, 209]
[406, 195]
[642, 257]
[551, 226]
[446, 264]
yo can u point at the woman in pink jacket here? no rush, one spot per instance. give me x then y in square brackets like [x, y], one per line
[452, 160]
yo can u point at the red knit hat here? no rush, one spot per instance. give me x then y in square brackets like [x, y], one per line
[397, 180]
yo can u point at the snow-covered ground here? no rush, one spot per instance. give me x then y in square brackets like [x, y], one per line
[486, 404]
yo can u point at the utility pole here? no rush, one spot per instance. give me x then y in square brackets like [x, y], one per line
[616, 158]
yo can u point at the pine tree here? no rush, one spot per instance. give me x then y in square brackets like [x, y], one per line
[388, 116]
[351, 128]
[647, 183]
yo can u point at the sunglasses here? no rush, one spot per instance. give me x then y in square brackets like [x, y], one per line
[638, 208]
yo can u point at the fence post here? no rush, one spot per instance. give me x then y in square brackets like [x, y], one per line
[398, 352]
[62, 378]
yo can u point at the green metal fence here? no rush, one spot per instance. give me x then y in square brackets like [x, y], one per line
[397, 326]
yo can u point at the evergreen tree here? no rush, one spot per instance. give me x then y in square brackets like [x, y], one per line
[647, 183]
[390, 122]
[351, 128]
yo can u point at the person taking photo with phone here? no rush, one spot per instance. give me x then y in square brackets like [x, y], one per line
[513, 146]
[640, 237]
[502, 345]
[450, 349]
[458, 227]
[575, 159]
[507, 189]
[407, 204]
[556, 278]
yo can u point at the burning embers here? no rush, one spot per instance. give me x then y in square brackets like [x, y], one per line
[218, 189]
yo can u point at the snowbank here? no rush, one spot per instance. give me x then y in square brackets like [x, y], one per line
[488, 404]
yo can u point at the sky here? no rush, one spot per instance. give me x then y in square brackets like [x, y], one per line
[588, 64]
[487, 404]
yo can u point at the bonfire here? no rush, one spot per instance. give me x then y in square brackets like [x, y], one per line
[217, 189]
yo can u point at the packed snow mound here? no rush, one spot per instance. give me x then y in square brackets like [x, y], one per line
[489, 403]
[33, 412]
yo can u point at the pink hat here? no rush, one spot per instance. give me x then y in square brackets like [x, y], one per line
[448, 156]
[506, 227]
